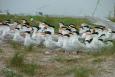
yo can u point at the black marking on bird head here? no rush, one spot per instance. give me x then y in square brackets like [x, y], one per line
[88, 31]
[89, 41]
[77, 32]
[109, 40]
[97, 27]
[102, 35]
[17, 28]
[72, 26]
[48, 32]
[113, 31]
[28, 32]
[63, 27]
[86, 26]
[60, 34]
[68, 29]
[95, 33]
[100, 40]
[66, 35]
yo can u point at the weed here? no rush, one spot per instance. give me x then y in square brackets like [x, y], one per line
[29, 69]
[29, 48]
[1, 50]
[15, 45]
[83, 72]
[17, 60]
[66, 59]
[7, 72]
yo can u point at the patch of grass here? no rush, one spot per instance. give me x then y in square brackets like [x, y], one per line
[112, 19]
[1, 50]
[7, 72]
[15, 45]
[76, 70]
[103, 52]
[65, 71]
[83, 72]
[65, 59]
[17, 62]
[29, 69]
[29, 48]
[98, 60]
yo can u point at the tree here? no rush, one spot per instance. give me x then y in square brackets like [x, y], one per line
[41, 13]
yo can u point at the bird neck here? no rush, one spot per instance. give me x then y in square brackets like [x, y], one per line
[27, 36]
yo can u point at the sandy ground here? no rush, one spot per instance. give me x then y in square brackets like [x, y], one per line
[106, 68]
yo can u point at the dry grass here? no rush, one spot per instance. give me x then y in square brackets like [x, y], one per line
[32, 62]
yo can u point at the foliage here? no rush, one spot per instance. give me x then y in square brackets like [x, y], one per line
[1, 50]
[18, 62]
[7, 72]
[83, 72]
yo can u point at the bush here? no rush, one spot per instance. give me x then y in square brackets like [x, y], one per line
[17, 60]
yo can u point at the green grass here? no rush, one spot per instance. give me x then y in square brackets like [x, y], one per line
[29, 48]
[17, 61]
[98, 60]
[7, 72]
[76, 71]
[15, 45]
[1, 50]
[65, 59]
[112, 18]
[30, 69]
[103, 51]
[83, 72]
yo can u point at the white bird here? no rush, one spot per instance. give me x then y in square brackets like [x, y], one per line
[75, 43]
[51, 29]
[17, 36]
[4, 30]
[49, 42]
[37, 36]
[29, 40]
[94, 43]
[67, 44]
[60, 40]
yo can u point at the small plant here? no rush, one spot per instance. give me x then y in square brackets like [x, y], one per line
[7, 72]
[15, 45]
[106, 51]
[65, 71]
[29, 48]
[1, 50]
[82, 72]
[98, 60]
[65, 59]
[17, 60]
[29, 69]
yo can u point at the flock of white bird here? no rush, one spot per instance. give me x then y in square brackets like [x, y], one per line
[68, 37]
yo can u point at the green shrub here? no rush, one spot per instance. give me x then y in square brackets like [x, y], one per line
[7, 72]
[83, 72]
[17, 60]
[29, 69]
[1, 50]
